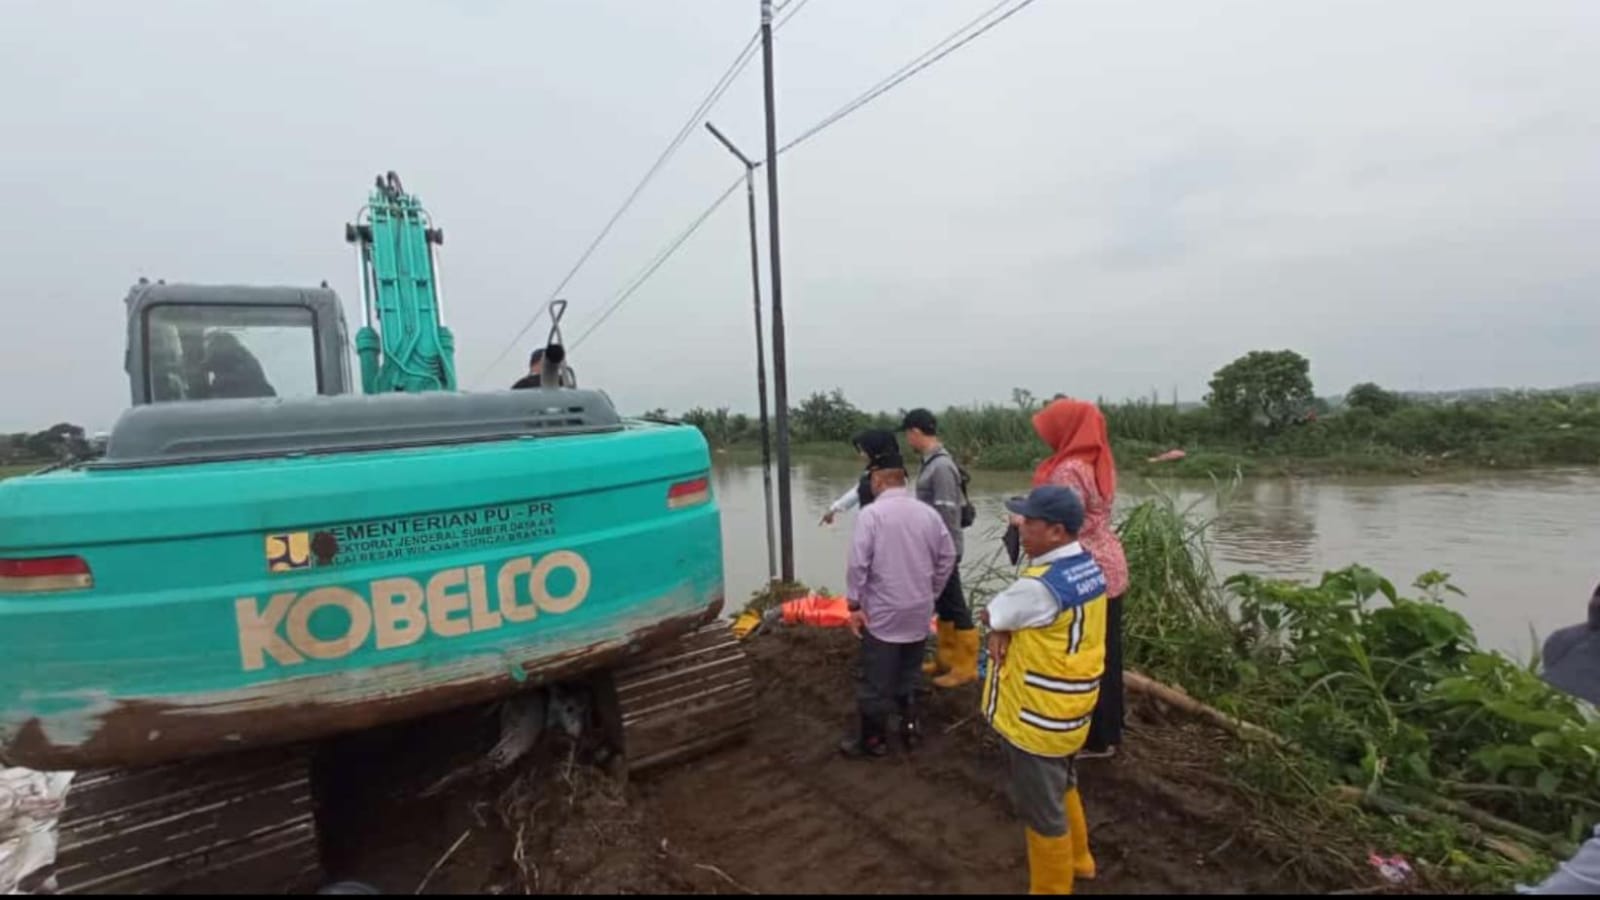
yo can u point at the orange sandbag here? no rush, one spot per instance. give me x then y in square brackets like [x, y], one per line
[825, 612]
[820, 612]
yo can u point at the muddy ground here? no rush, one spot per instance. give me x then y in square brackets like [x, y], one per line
[785, 813]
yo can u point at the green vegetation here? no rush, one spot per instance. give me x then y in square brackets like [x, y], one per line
[1260, 419]
[25, 451]
[1478, 770]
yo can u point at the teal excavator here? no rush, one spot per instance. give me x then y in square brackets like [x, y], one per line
[266, 559]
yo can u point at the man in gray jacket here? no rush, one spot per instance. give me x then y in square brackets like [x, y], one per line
[939, 486]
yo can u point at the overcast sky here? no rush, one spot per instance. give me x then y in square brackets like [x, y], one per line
[1097, 197]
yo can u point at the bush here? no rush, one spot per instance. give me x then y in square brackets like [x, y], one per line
[1374, 690]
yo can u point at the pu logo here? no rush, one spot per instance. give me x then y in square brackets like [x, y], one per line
[398, 612]
[287, 552]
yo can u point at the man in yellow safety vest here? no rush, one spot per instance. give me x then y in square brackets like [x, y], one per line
[1046, 656]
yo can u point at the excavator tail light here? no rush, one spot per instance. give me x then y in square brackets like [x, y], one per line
[44, 575]
[689, 493]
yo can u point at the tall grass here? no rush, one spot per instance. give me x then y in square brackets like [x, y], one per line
[1174, 604]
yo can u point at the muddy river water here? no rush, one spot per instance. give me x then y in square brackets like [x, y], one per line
[1525, 547]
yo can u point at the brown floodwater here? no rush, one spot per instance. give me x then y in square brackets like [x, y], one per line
[1525, 547]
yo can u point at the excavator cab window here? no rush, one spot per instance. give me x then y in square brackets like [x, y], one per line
[215, 351]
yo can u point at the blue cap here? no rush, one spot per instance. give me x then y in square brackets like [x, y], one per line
[1572, 661]
[1572, 656]
[1050, 503]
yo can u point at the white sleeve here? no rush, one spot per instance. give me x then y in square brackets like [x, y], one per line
[1578, 875]
[847, 501]
[1027, 603]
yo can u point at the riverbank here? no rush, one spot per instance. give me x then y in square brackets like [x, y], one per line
[785, 813]
[1360, 690]
[1196, 465]
[1183, 808]
[1400, 437]
[1376, 716]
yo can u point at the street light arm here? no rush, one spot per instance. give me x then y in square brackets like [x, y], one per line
[748, 164]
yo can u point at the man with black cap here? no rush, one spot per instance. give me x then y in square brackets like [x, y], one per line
[900, 557]
[1572, 664]
[1046, 656]
[535, 375]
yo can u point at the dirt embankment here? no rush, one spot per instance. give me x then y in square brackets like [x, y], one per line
[785, 813]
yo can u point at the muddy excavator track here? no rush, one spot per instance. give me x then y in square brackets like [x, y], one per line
[240, 823]
[246, 822]
[685, 699]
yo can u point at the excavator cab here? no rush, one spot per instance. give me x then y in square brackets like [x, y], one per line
[200, 342]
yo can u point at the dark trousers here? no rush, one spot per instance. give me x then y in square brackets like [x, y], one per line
[1038, 787]
[888, 682]
[1105, 729]
[951, 606]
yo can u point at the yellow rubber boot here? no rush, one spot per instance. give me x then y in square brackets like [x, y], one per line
[1049, 863]
[746, 623]
[940, 663]
[1078, 830]
[963, 659]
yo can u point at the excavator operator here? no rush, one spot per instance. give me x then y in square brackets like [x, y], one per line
[234, 371]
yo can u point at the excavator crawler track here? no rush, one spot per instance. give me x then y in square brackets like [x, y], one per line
[240, 823]
[246, 823]
[685, 699]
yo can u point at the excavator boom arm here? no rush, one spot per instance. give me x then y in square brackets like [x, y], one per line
[403, 344]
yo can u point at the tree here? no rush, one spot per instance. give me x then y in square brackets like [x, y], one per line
[1373, 399]
[1263, 388]
[827, 417]
[59, 442]
[713, 423]
[1024, 399]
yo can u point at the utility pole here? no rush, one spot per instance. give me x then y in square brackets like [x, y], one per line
[780, 370]
[761, 352]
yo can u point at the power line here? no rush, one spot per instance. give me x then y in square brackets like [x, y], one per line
[922, 61]
[717, 89]
[785, 5]
[690, 124]
[659, 260]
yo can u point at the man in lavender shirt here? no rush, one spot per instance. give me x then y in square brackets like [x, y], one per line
[900, 558]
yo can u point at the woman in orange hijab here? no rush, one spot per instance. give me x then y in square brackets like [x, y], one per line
[1076, 431]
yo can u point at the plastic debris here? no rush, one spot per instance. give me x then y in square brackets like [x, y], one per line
[30, 806]
[1393, 869]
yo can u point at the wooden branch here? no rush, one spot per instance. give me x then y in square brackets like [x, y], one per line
[1439, 809]
[1445, 811]
[447, 854]
[1510, 849]
[1176, 697]
[1495, 823]
[1462, 787]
